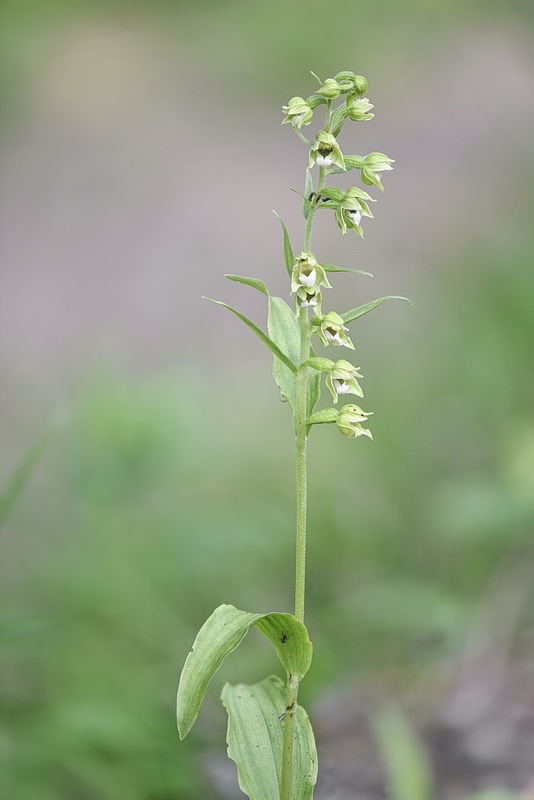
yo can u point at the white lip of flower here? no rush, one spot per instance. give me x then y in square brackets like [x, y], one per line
[309, 279]
[340, 386]
[333, 336]
[297, 118]
[354, 215]
[311, 300]
[323, 161]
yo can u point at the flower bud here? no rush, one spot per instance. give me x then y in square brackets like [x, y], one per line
[372, 165]
[348, 421]
[325, 152]
[308, 273]
[341, 379]
[360, 85]
[345, 81]
[330, 89]
[298, 112]
[332, 330]
[358, 108]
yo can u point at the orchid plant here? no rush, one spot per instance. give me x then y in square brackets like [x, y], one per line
[269, 734]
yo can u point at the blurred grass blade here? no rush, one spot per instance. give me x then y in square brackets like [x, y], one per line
[255, 739]
[21, 476]
[289, 258]
[219, 636]
[285, 332]
[406, 764]
[254, 282]
[259, 333]
[350, 316]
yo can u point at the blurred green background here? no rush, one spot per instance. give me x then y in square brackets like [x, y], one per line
[142, 154]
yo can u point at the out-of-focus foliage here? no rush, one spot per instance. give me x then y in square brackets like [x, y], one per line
[162, 503]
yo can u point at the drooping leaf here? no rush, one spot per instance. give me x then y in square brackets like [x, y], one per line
[308, 190]
[259, 333]
[334, 268]
[285, 332]
[219, 636]
[350, 316]
[255, 740]
[289, 258]
[254, 282]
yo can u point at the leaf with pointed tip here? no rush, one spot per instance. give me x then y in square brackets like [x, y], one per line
[219, 636]
[259, 333]
[254, 282]
[314, 388]
[255, 740]
[308, 190]
[289, 258]
[285, 332]
[334, 268]
[350, 316]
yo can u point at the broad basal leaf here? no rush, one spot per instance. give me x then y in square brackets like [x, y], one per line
[219, 636]
[259, 333]
[350, 316]
[255, 740]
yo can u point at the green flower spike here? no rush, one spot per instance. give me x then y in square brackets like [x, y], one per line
[308, 273]
[332, 330]
[373, 164]
[330, 89]
[351, 210]
[325, 152]
[348, 421]
[342, 380]
[299, 112]
[350, 83]
[358, 108]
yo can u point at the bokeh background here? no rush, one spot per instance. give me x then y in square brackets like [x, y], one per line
[142, 155]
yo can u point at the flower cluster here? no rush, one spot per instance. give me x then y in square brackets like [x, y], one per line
[349, 207]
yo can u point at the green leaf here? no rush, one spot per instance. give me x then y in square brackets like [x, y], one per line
[350, 316]
[285, 332]
[406, 763]
[289, 258]
[219, 636]
[255, 740]
[254, 282]
[308, 189]
[334, 268]
[22, 475]
[314, 389]
[259, 333]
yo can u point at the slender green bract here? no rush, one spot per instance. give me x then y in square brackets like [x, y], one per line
[269, 734]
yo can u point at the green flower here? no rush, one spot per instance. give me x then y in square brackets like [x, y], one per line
[348, 421]
[350, 210]
[349, 82]
[309, 298]
[330, 89]
[358, 108]
[325, 152]
[332, 330]
[373, 164]
[307, 273]
[341, 379]
[299, 112]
